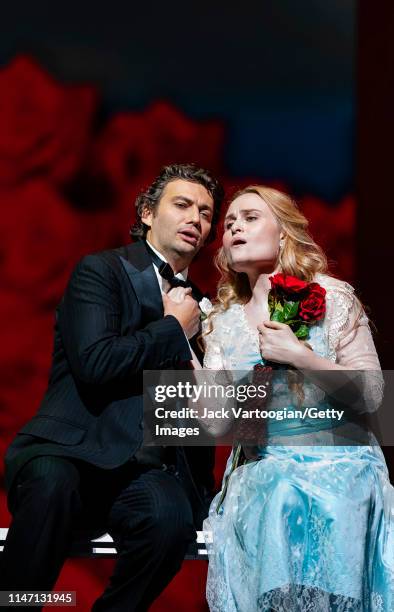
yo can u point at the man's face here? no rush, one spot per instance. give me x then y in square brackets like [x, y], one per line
[181, 222]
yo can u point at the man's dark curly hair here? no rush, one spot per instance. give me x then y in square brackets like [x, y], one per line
[187, 172]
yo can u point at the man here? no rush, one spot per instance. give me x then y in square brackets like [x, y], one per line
[79, 461]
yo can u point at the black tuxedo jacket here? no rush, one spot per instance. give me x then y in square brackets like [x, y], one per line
[109, 328]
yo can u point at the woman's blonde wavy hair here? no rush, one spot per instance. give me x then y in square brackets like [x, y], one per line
[300, 255]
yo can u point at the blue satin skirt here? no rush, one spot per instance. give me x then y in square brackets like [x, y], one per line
[304, 529]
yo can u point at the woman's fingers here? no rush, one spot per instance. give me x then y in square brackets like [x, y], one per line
[273, 324]
[266, 325]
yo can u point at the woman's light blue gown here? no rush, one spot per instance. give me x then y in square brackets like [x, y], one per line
[305, 528]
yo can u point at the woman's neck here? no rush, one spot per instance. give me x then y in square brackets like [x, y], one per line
[260, 286]
[256, 309]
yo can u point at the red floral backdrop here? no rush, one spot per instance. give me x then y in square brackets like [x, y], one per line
[67, 186]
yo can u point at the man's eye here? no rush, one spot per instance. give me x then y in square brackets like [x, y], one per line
[206, 214]
[181, 204]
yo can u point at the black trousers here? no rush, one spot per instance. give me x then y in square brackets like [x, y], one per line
[145, 510]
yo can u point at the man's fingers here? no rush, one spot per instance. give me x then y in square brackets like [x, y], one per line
[176, 294]
[179, 292]
[190, 298]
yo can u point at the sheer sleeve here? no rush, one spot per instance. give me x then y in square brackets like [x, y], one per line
[213, 360]
[351, 343]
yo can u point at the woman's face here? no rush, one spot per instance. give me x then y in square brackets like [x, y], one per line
[251, 235]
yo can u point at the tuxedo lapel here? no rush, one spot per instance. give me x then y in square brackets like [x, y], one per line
[139, 268]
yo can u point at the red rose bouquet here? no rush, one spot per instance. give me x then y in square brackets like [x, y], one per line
[296, 303]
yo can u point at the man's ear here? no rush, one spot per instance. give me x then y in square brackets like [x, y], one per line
[146, 216]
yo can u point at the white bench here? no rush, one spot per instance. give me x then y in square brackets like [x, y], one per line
[83, 545]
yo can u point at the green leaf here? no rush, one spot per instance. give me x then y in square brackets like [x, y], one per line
[271, 303]
[290, 310]
[277, 315]
[302, 332]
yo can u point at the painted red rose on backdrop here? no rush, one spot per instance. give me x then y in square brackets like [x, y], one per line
[41, 238]
[313, 306]
[135, 145]
[132, 148]
[45, 127]
[333, 228]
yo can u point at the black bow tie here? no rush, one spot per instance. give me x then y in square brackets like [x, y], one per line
[165, 270]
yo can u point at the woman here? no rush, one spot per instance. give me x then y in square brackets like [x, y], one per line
[305, 528]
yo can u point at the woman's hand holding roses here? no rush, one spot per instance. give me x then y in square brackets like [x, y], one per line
[278, 343]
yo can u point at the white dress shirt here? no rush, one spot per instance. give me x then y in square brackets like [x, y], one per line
[165, 287]
[163, 283]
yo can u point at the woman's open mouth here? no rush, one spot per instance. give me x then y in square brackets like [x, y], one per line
[238, 242]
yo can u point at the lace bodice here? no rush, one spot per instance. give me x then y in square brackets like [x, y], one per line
[343, 336]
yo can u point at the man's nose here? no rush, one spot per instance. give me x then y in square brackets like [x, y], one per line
[194, 216]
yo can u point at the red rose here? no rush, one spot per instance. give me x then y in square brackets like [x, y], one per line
[313, 306]
[287, 284]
